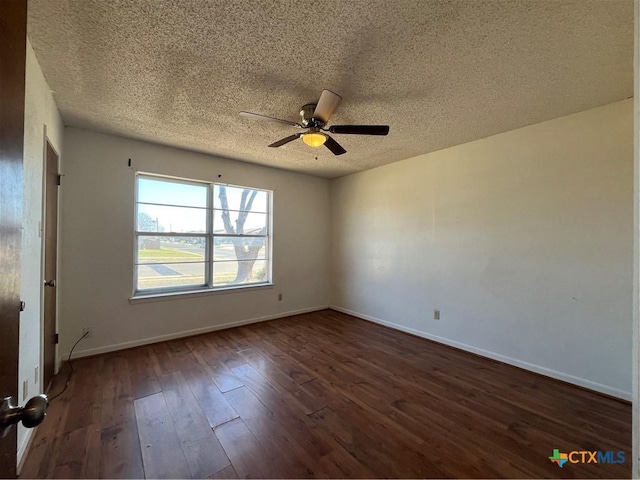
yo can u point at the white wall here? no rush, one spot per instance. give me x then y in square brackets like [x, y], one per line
[97, 213]
[40, 112]
[523, 240]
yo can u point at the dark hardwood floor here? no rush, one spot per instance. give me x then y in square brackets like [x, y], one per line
[319, 395]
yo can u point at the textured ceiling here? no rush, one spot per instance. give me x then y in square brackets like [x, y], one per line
[440, 73]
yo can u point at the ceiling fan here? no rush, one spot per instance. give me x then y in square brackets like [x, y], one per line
[315, 117]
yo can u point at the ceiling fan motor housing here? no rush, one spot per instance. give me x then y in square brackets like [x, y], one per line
[306, 112]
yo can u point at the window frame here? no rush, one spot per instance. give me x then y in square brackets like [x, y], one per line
[209, 237]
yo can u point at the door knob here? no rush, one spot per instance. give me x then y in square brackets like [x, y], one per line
[50, 283]
[31, 414]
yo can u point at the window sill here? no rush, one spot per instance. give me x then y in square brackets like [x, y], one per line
[166, 296]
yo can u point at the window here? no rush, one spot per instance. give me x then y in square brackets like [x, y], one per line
[192, 236]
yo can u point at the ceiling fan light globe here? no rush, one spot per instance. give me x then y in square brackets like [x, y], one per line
[314, 139]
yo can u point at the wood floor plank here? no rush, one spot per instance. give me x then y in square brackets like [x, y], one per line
[281, 382]
[120, 451]
[45, 447]
[226, 472]
[321, 395]
[223, 376]
[366, 449]
[244, 451]
[210, 399]
[72, 454]
[179, 347]
[117, 393]
[285, 361]
[144, 379]
[283, 419]
[119, 440]
[383, 399]
[92, 465]
[202, 450]
[215, 367]
[162, 454]
[79, 454]
[85, 407]
[162, 359]
[278, 445]
[341, 464]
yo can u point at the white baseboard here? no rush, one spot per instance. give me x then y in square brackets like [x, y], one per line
[565, 377]
[24, 448]
[187, 333]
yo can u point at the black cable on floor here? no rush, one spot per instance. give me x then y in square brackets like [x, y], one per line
[70, 366]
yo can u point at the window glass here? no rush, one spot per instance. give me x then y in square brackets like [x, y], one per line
[240, 198]
[239, 223]
[172, 275]
[160, 218]
[171, 192]
[154, 249]
[235, 248]
[194, 236]
[239, 272]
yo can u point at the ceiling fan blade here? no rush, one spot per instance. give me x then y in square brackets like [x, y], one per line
[334, 146]
[288, 139]
[264, 117]
[326, 105]
[360, 129]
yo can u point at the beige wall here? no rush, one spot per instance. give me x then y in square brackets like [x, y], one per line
[523, 241]
[40, 113]
[97, 213]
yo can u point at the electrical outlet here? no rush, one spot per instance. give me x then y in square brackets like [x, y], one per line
[25, 389]
[436, 314]
[279, 297]
[35, 374]
[88, 331]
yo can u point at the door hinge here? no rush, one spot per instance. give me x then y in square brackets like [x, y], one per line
[58, 179]
[56, 339]
[22, 305]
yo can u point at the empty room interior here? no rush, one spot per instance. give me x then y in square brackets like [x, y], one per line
[341, 239]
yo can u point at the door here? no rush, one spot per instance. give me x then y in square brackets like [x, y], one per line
[13, 47]
[50, 263]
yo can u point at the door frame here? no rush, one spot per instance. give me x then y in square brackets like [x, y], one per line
[43, 241]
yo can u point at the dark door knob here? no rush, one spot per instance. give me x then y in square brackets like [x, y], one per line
[31, 414]
[50, 283]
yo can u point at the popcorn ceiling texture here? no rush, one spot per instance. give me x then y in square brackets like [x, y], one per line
[440, 73]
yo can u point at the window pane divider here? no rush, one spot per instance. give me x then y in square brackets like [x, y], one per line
[171, 234]
[172, 205]
[169, 263]
[217, 209]
[237, 235]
